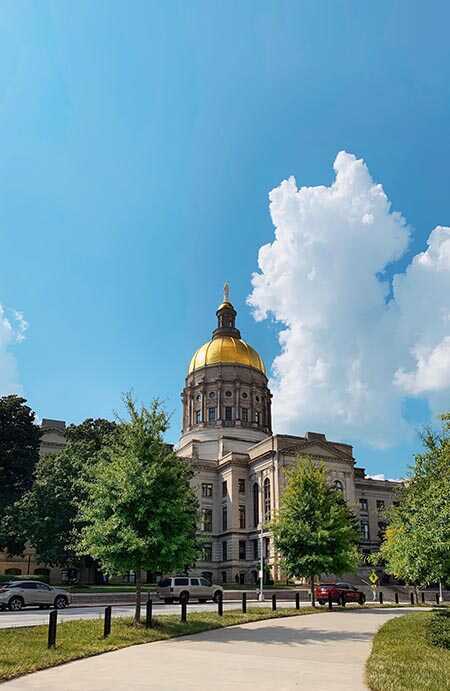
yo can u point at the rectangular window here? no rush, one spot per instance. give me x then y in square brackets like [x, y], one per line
[224, 488]
[255, 549]
[244, 414]
[224, 551]
[241, 484]
[242, 516]
[211, 414]
[363, 505]
[224, 576]
[207, 551]
[266, 547]
[242, 549]
[380, 505]
[364, 526]
[224, 518]
[198, 416]
[207, 489]
[258, 417]
[228, 413]
[207, 520]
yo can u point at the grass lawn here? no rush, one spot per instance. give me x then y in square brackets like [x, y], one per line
[24, 650]
[402, 659]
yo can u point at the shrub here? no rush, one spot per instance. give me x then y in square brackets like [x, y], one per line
[7, 577]
[439, 628]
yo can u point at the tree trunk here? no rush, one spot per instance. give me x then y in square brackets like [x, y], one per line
[313, 594]
[416, 594]
[137, 611]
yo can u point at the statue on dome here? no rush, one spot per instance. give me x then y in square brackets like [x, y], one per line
[226, 292]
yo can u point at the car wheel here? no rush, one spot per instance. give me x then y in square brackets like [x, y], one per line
[184, 597]
[362, 599]
[342, 601]
[61, 602]
[321, 602]
[168, 600]
[216, 596]
[15, 604]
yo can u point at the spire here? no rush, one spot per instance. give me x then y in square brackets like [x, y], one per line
[226, 316]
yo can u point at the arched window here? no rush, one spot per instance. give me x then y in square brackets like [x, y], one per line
[337, 484]
[42, 572]
[255, 505]
[13, 572]
[267, 512]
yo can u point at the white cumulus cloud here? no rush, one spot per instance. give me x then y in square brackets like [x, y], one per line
[12, 330]
[352, 343]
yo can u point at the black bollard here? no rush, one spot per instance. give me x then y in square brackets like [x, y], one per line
[396, 598]
[437, 598]
[52, 622]
[107, 622]
[149, 613]
[297, 600]
[412, 598]
[274, 602]
[220, 604]
[183, 611]
[381, 597]
[244, 602]
[422, 596]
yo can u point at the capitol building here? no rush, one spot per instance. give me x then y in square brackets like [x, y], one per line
[239, 464]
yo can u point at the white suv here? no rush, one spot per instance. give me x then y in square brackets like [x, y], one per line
[183, 588]
[17, 594]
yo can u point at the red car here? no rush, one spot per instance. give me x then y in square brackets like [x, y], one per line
[341, 593]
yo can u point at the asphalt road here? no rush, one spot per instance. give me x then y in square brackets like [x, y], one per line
[34, 616]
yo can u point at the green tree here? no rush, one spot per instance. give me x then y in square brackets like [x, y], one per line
[314, 531]
[140, 512]
[416, 548]
[49, 512]
[19, 453]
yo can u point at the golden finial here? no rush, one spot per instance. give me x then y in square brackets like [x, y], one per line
[226, 292]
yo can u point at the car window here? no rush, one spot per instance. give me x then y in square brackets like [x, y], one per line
[194, 581]
[42, 586]
[165, 582]
[181, 581]
[203, 581]
[28, 586]
[342, 586]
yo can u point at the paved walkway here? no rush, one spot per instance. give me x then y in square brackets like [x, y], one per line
[321, 652]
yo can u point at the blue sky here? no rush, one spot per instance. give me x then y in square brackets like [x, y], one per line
[138, 145]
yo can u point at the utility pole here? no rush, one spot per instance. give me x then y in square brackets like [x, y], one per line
[261, 564]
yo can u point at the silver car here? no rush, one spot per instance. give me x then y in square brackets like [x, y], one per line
[184, 588]
[15, 595]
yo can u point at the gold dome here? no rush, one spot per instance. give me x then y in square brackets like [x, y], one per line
[226, 350]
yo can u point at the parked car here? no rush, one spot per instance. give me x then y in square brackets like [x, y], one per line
[15, 595]
[184, 588]
[340, 593]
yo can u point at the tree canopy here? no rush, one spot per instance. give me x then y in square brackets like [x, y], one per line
[140, 511]
[314, 531]
[49, 512]
[19, 453]
[416, 548]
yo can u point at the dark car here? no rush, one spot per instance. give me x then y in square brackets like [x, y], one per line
[340, 593]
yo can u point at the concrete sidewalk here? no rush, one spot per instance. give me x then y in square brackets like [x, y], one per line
[321, 652]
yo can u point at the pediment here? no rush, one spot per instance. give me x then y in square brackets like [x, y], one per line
[316, 448]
